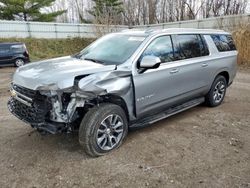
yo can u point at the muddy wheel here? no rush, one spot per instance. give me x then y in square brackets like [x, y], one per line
[217, 92]
[103, 129]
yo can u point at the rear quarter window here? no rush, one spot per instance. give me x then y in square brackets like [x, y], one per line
[223, 42]
[17, 48]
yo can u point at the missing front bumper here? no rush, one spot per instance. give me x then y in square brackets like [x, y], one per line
[34, 116]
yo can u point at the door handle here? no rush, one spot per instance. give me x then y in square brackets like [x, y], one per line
[174, 71]
[204, 64]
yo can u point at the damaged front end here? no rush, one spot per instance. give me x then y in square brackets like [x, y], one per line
[38, 109]
[54, 110]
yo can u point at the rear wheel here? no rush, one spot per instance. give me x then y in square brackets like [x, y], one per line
[19, 62]
[103, 129]
[217, 92]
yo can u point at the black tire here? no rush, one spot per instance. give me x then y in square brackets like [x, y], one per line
[211, 96]
[91, 123]
[19, 62]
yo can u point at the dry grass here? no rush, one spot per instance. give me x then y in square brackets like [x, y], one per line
[49, 48]
[242, 39]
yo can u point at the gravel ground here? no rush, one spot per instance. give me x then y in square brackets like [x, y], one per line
[201, 147]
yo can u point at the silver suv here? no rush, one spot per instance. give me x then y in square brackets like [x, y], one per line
[124, 80]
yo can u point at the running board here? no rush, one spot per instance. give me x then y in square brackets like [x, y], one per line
[169, 112]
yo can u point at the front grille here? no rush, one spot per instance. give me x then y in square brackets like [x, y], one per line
[25, 91]
[29, 105]
[28, 114]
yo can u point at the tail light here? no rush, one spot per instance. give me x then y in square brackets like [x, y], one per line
[24, 46]
[25, 50]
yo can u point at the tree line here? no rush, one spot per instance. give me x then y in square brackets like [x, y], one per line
[125, 12]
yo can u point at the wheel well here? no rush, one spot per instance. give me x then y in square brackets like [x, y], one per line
[115, 100]
[19, 58]
[226, 75]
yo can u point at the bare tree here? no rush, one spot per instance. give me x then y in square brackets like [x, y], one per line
[138, 12]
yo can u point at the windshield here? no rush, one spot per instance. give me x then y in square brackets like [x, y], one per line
[113, 49]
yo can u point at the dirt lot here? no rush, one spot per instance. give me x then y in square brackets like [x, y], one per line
[202, 147]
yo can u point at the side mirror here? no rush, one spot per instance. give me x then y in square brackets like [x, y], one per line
[150, 62]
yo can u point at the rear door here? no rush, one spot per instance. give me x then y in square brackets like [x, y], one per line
[192, 56]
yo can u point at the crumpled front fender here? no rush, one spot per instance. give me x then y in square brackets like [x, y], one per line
[115, 82]
[118, 83]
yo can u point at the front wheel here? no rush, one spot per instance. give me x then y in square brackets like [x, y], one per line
[103, 129]
[217, 92]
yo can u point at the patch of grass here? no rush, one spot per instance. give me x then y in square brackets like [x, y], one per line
[242, 40]
[48, 48]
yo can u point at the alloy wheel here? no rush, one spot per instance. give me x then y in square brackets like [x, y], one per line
[219, 91]
[110, 132]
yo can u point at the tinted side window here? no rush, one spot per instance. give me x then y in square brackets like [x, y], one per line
[223, 42]
[190, 46]
[4, 49]
[161, 47]
[17, 48]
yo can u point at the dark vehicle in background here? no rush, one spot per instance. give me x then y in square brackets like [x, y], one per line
[13, 54]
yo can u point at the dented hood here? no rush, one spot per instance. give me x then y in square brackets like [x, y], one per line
[56, 74]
